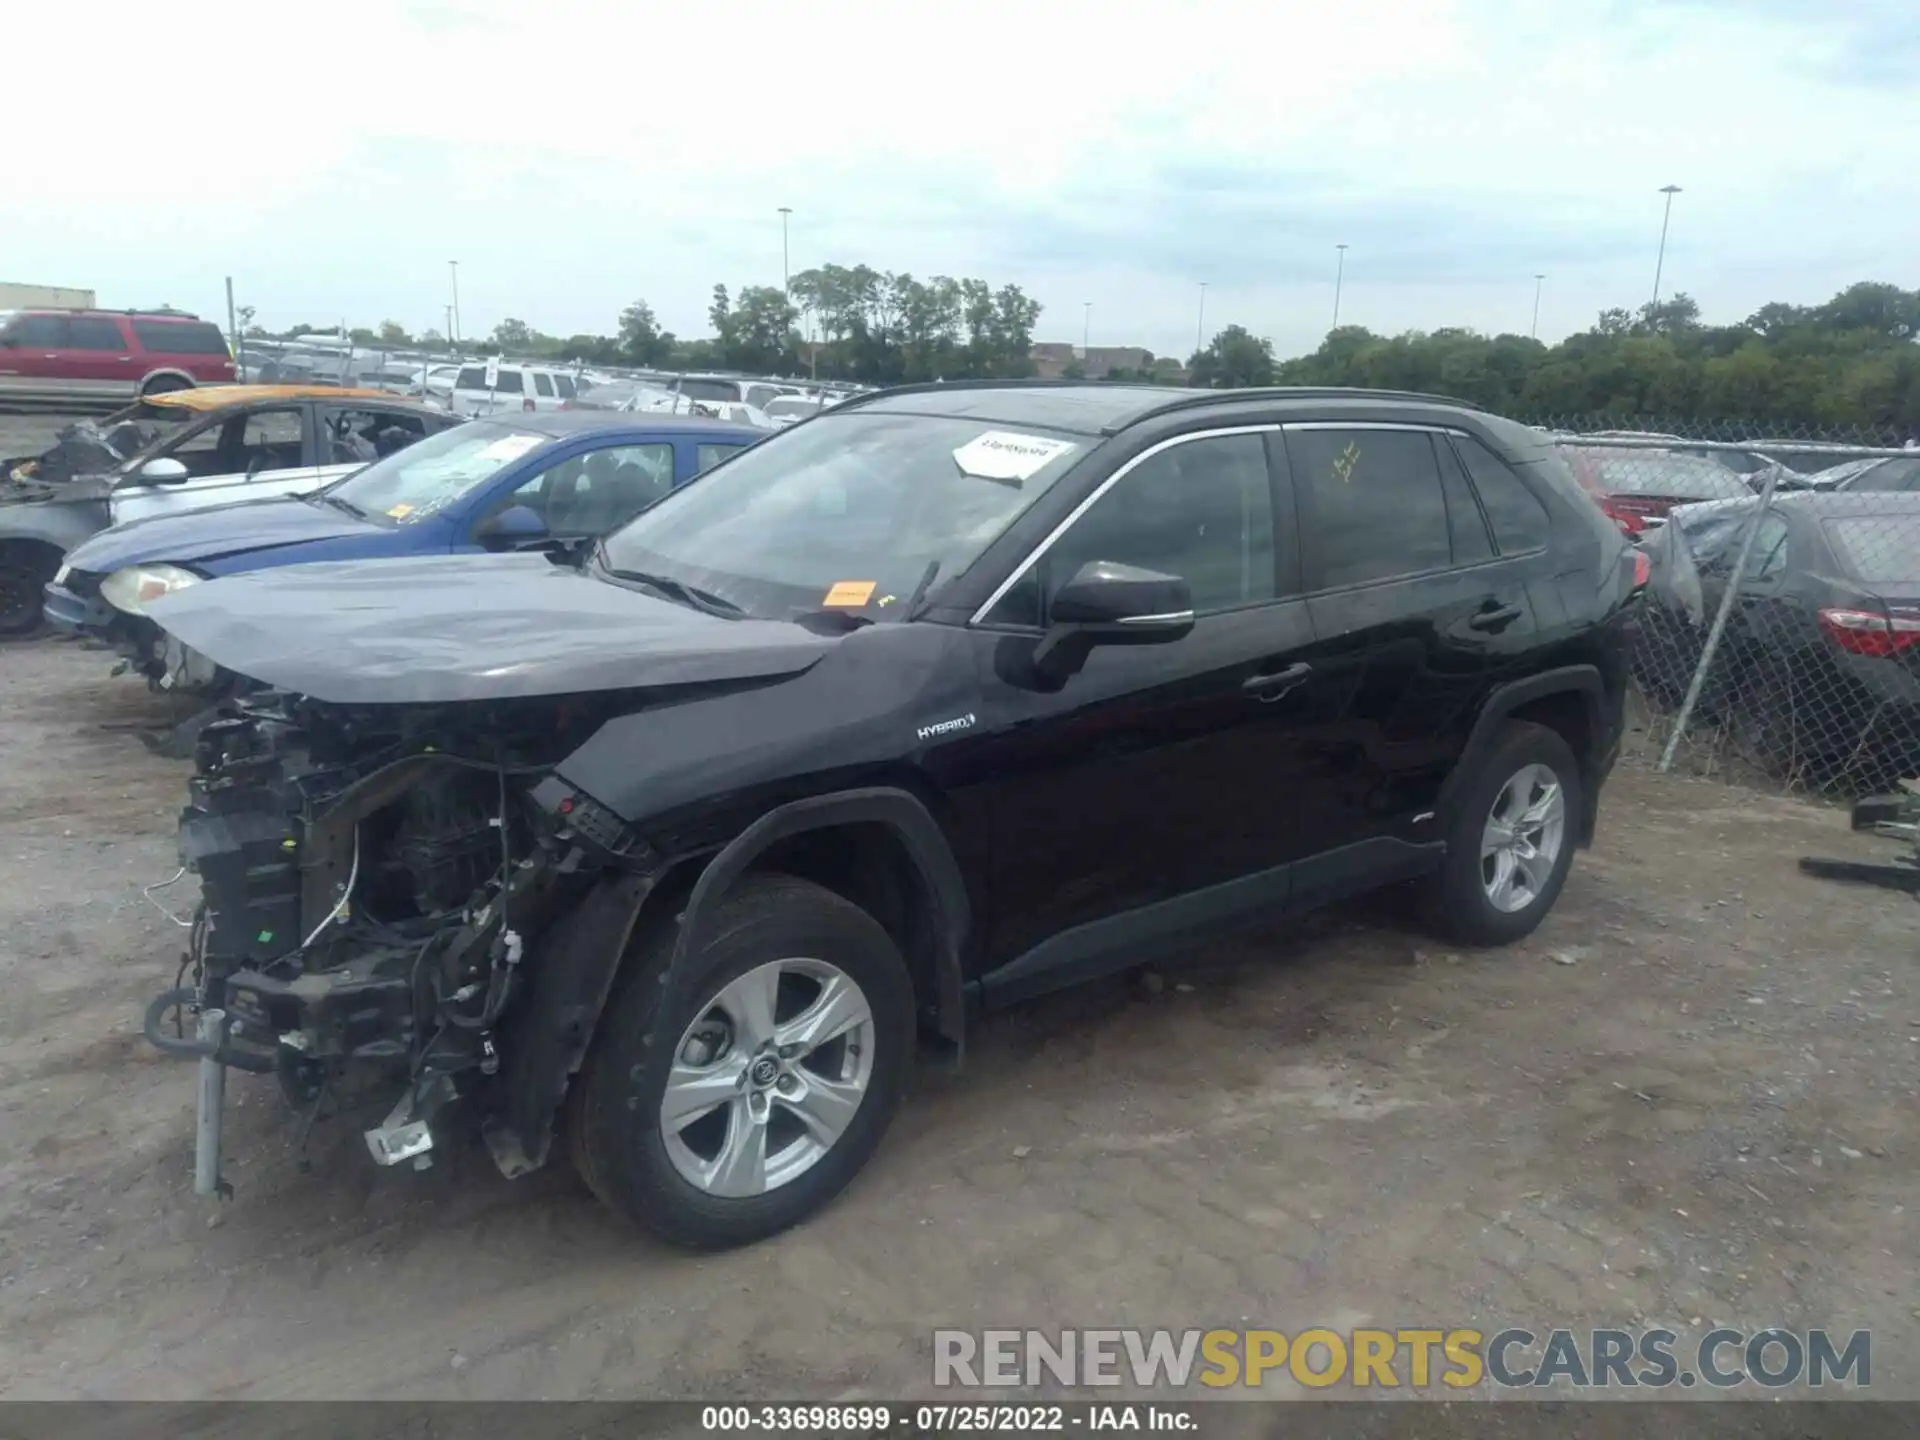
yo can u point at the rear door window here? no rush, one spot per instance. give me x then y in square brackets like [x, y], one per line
[511, 383]
[95, 332]
[542, 383]
[271, 440]
[564, 383]
[176, 337]
[1373, 507]
[474, 377]
[359, 437]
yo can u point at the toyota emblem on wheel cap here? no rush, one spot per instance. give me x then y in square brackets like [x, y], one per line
[765, 1071]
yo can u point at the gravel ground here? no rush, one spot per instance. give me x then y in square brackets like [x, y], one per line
[1689, 1099]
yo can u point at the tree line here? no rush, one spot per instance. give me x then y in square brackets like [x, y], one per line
[1851, 362]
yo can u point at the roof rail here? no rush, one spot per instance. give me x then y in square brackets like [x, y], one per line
[1179, 397]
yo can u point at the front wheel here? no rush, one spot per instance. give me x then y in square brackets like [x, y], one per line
[736, 1103]
[1510, 841]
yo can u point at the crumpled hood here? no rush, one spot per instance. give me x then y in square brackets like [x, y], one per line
[215, 531]
[442, 628]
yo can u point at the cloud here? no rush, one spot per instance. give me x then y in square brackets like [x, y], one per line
[578, 154]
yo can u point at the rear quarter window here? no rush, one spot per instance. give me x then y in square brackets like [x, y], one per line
[1518, 518]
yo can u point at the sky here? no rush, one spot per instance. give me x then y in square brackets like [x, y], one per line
[574, 155]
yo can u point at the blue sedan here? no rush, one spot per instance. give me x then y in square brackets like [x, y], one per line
[525, 481]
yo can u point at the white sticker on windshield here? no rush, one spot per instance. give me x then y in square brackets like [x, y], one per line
[1008, 455]
[512, 447]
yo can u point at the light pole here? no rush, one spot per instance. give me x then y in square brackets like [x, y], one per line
[1339, 274]
[786, 280]
[453, 269]
[1086, 327]
[449, 310]
[1660, 262]
[1538, 281]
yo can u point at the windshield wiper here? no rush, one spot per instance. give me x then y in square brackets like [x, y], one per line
[920, 590]
[352, 509]
[704, 600]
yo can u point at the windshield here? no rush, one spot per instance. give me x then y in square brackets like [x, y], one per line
[854, 506]
[426, 477]
[1872, 549]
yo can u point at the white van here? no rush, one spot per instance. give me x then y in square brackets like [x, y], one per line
[518, 387]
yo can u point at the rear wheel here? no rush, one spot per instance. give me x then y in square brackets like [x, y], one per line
[1510, 841]
[736, 1103]
[25, 569]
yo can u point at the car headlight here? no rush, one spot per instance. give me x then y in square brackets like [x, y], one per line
[138, 586]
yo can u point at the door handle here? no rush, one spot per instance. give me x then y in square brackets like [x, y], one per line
[1273, 686]
[1498, 619]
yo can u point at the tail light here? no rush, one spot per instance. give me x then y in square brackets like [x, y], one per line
[1642, 569]
[1863, 632]
[1630, 524]
[1632, 512]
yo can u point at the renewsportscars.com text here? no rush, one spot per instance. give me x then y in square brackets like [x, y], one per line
[1413, 1358]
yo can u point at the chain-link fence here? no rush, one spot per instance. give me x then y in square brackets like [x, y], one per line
[1779, 639]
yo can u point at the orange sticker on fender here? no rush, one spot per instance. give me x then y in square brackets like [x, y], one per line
[851, 593]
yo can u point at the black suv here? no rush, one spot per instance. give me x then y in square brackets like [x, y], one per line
[949, 696]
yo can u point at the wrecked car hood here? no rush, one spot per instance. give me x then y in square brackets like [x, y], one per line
[441, 628]
[215, 530]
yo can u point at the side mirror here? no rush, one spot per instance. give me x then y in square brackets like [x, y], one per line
[1111, 604]
[163, 471]
[9, 342]
[513, 527]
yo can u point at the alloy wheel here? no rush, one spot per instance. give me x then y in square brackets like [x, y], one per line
[767, 1077]
[1522, 838]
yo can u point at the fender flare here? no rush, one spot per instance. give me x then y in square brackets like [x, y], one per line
[168, 372]
[1503, 700]
[547, 1036]
[927, 851]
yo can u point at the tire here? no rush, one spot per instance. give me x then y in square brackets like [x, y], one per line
[615, 1126]
[25, 569]
[162, 384]
[1458, 899]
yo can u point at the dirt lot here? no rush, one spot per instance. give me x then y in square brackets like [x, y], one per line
[1706, 1118]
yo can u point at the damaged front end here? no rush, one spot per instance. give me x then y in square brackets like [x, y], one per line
[399, 898]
